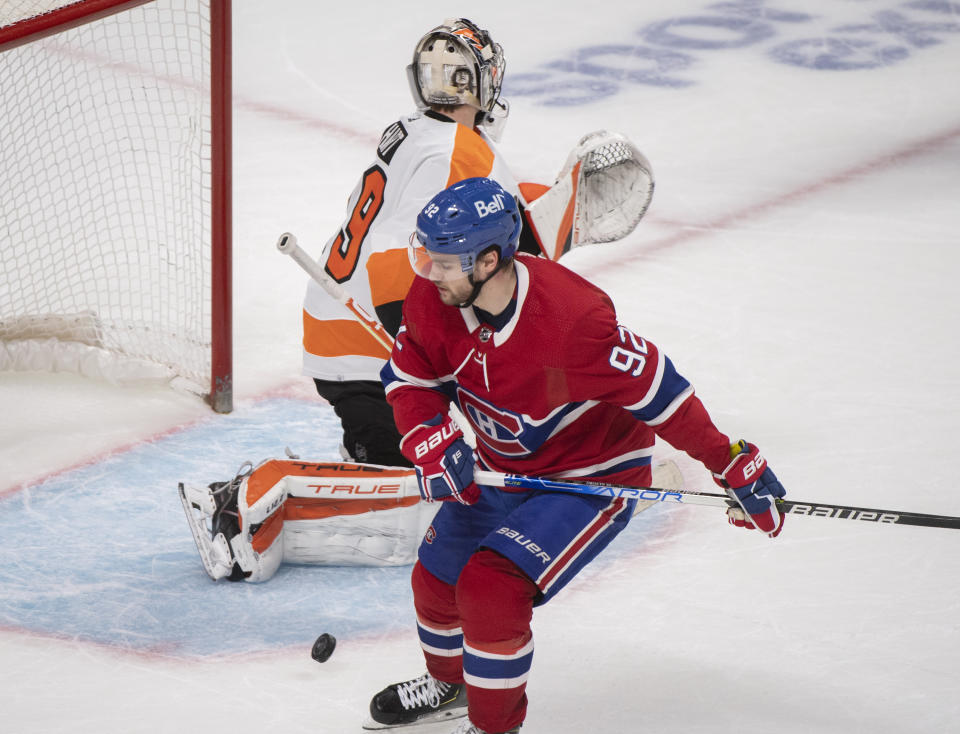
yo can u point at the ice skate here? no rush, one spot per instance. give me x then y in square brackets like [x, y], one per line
[418, 701]
[214, 519]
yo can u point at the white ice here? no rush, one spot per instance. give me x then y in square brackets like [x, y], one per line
[797, 264]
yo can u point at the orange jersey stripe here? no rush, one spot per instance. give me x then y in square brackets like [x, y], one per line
[390, 275]
[339, 337]
[471, 156]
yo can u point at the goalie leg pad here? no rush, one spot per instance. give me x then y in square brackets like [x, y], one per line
[236, 541]
[335, 513]
[351, 514]
[260, 565]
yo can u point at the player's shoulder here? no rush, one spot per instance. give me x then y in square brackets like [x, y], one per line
[576, 306]
[557, 282]
[415, 136]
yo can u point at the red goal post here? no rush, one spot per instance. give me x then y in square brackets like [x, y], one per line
[115, 190]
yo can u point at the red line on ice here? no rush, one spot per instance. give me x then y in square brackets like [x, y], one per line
[689, 232]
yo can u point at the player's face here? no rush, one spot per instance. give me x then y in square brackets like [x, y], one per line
[453, 285]
[439, 267]
[445, 271]
[454, 292]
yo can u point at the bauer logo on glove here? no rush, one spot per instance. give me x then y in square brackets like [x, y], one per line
[443, 435]
[443, 461]
[751, 483]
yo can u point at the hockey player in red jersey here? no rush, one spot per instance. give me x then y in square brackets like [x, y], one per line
[245, 527]
[455, 76]
[551, 385]
[451, 137]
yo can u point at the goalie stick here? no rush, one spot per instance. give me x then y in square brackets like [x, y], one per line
[688, 497]
[287, 244]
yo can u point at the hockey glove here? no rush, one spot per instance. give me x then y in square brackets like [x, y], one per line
[750, 481]
[443, 461]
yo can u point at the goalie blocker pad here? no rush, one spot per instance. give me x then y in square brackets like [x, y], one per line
[600, 195]
[327, 513]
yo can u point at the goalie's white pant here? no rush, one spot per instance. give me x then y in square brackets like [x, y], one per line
[332, 514]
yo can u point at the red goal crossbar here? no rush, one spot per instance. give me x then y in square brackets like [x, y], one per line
[60, 19]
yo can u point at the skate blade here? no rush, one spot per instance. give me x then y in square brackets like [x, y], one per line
[424, 725]
[198, 504]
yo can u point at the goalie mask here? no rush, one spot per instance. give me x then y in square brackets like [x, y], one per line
[457, 63]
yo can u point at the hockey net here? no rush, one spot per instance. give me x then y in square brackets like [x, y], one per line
[114, 190]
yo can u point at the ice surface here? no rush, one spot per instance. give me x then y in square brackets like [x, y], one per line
[798, 264]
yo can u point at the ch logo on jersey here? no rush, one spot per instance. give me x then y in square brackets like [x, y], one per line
[500, 430]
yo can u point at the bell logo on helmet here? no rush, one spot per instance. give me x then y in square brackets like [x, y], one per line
[495, 205]
[464, 220]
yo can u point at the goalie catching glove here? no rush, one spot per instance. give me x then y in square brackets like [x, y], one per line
[443, 461]
[600, 195]
[753, 485]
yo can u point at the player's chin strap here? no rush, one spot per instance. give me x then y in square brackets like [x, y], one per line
[474, 293]
[477, 285]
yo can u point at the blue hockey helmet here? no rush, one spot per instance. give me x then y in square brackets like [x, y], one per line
[464, 220]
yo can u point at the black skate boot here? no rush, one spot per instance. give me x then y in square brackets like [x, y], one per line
[418, 701]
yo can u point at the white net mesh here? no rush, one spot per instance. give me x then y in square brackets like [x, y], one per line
[105, 171]
[16, 10]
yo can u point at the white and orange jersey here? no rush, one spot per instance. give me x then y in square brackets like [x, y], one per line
[417, 157]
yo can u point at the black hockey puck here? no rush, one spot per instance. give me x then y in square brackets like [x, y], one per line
[323, 647]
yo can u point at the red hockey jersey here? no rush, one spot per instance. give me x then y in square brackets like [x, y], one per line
[561, 390]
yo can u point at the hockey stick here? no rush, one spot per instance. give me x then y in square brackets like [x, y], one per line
[287, 244]
[687, 497]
